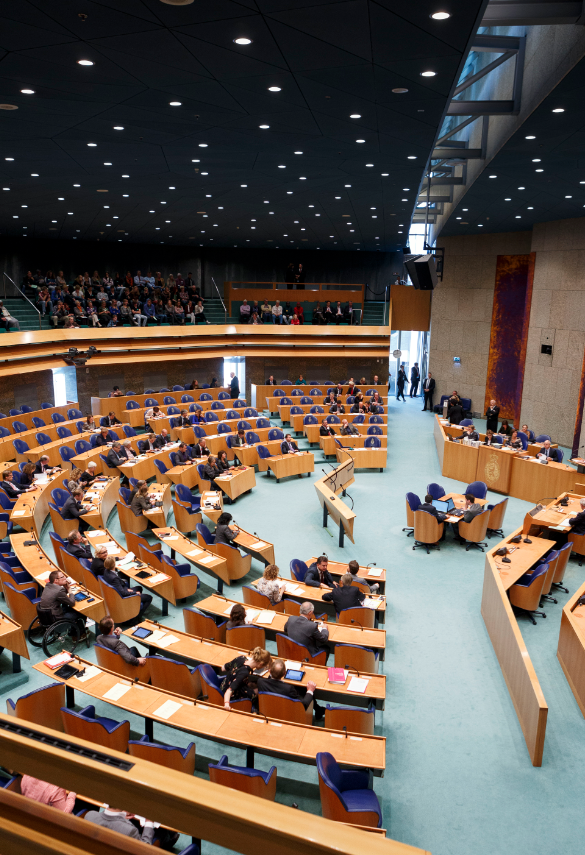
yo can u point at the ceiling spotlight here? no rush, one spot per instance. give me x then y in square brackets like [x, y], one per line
[264, 127]
[274, 89]
[530, 138]
[428, 73]
[493, 176]
[77, 185]
[8, 158]
[530, 209]
[28, 91]
[34, 175]
[411, 157]
[243, 185]
[92, 144]
[297, 152]
[536, 159]
[347, 185]
[302, 178]
[84, 62]
[203, 145]
[242, 41]
[281, 166]
[385, 174]
[521, 188]
[174, 103]
[505, 200]
[517, 217]
[118, 127]
[107, 163]
[400, 91]
[539, 170]
[568, 197]
[355, 116]
[559, 110]
[440, 16]
[360, 141]
[369, 164]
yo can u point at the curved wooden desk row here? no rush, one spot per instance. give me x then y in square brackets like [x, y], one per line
[363, 458]
[198, 807]
[504, 471]
[31, 509]
[137, 417]
[285, 416]
[297, 742]
[517, 668]
[46, 415]
[213, 559]
[571, 647]
[264, 395]
[102, 406]
[8, 452]
[307, 593]
[312, 431]
[195, 650]
[12, 638]
[329, 445]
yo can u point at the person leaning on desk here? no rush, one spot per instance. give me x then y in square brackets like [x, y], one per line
[303, 629]
[346, 595]
[318, 576]
[238, 441]
[73, 509]
[200, 448]
[472, 509]
[578, 522]
[211, 472]
[348, 430]
[514, 441]
[326, 429]
[490, 438]
[103, 438]
[274, 685]
[547, 452]
[471, 434]
[455, 413]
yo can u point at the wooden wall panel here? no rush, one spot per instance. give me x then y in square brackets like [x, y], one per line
[411, 309]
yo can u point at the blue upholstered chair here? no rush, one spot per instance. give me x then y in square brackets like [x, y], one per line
[333, 420]
[207, 536]
[275, 433]
[99, 729]
[168, 399]
[42, 438]
[346, 795]
[46, 406]
[210, 416]
[526, 593]
[173, 411]
[262, 423]
[205, 396]
[210, 686]
[5, 432]
[81, 446]
[170, 756]
[38, 422]
[372, 442]
[435, 490]
[223, 428]
[297, 393]
[374, 430]
[58, 418]
[412, 505]
[310, 420]
[252, 437]
[178, 388]
[359, 419]
[298, 569]
[238, 404]
[243, 425]
[129, 431]
[66, 453]
[465, 422]
[187, 399]
[223, 396]
[74, 413]
[151, 402]
[477, 489]
[375, 420]
[132, 405]
[19, 427]
[63, 432]
[286, 402]
[542, 437]
[252, 781]
[217, 405]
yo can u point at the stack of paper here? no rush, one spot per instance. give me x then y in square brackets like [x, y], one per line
[159, 577]
[375, 571]
[251, 615]
[168, 640]
[194, 553]
[208, 559]
[358, 684]
[293, 589]
[370, 604]
[265, 616]
[293, 666]
[90, 672]
[96, 533]
[156, 636]
[17, 513]
[113, 548]
[258, 544]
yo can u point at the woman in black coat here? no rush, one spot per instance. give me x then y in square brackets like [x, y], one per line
[491, 415]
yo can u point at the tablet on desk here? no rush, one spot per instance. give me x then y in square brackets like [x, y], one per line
[142, 632]
[294, 675]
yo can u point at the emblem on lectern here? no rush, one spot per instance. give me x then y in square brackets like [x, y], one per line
[492, 469]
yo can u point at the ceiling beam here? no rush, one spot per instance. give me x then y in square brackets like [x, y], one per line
[481, 108]
[457, 153]
[509, 13]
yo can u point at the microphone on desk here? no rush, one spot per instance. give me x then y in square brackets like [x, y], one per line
[372, 564]
[353, 620]
[348, 668]
[345, 729]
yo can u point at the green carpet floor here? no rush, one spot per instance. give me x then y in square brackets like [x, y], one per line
[458, 776]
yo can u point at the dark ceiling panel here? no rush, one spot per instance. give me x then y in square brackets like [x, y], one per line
[209, 154]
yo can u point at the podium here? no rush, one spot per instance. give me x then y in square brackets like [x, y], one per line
[328, 489]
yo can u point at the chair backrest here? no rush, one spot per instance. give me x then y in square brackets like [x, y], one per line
[435, 490]
[15, 411]
[297, 392]
[497, 514]
[354, 719]
[178, 388]
[246, 637]
[310, 420]
[281, 707]
[374, 430]
[305, 400]
[465, 422]
[298, 569]
[201, 472]
[169, 756]
[205, 534]
[43, 438]
[263, 452]
[132, 405]
[38, 422]
[60, 496]
[162, 468]
[210, 685]
[333, 420]
[168, 399]
[427, 528]
[129, 430]
[223, 396]
[217, 405]
[173, 411]
[278, 393]
[46, 406]
[357, 616]
[41, 706]
[238, 403]
[477, 489]
[526, 593]
[275, 433]
[359, 419]
[57, 417]
[19, 427]
[20, 446]
[542, 437]
[199, 431]
[21, 603]
[372, 442]
[66, 453]
[205, 396]
[560, 455]
[223, 428]
[475, 530]
[81, 446]
[125, 495]
[361, 659]
[232, 414]
[210, 416]
[63, 432]
[74, 413]
[262, 423]
[285, 402]
[252, 437]
[243, 425]
[375, 420]
[187, 399]
[106, 732]
[174, 676]
[5, 432]
[151, 402]
[413, 501]
[350, 399]
[198, 623]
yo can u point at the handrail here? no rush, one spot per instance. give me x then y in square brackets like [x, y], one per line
[6, 276]
[221, 298]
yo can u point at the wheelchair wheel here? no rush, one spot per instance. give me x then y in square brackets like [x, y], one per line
[63, 635]
[35, 633]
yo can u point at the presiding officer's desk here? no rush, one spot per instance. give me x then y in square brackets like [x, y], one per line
[192, 649]
[339, 633]
[329, 446]
[117, 405]
[289, 741]
[513, 473]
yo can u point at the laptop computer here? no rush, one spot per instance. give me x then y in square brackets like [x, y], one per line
[444, 506]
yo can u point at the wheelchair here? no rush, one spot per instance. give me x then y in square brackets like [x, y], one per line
[54, 635]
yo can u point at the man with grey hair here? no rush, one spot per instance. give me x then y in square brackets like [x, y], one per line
[578, 522]
[547, 452]
[305, 630]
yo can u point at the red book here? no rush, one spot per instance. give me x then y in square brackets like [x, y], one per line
[336, 675]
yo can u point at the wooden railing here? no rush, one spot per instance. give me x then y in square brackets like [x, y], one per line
[283, 291]
[195, 807]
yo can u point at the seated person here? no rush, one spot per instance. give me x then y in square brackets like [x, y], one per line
[87, 478]
[578, 522]
[270, 586]
[288, 446]
[223, 532]
[211, 472]
[244, 312]
[200, 448]
[294, 321]
[114, 457]
[237, 685]
[183, 453]
[151, 443]
[74, 483]
[275, 685]
[276, 318]
[318, 315]
[238, 441]
[97, 562]
[183, 420]
[78, 546]
[428, 506]
[43, 466]
[112, 577]
[255, 320]
[346, 595]
[529, 433]
[55, 597]
[11, 489]
[455, 413]
[153, 413]
[305, 630]
[326, 429]
[547, 452]
[514, 441]
[237, 616]
[328, 313]
[357, 407]
[298, 310]
[126, 451]
[472, 509]
[354, 568]
[103, 437]
[337, 407]
[352, 389]
[141, 502]
[222, 462]
[490, 438]
[338, 313]
[199, 417]
[506, 429]
[470, 433]
[266, 312]
[73, 509]
[318, 576]
[348, 430]
[110, 637]
[119, 820]
[164, 438]
[110, 420]
[47, 794]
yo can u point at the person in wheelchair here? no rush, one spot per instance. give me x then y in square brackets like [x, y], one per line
[56, 599]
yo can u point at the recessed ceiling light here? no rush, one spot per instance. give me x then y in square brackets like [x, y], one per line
[207, 195]
[34, 175]
[297, 152]
[289, 192]
[360, 141]
[347, 185]
[6, 188]
[24, 206]
[465, 209]
[264, 127]
[559, 110]
[174, 103]
[53, 221]
[8, 158]
[172, 188]
[125, 176]
[505, 200]
[338, 197]
[107, 163]
[457, 218]
[493, 176]
[302, 178]
[521, 188]
[84, 62]
[355, 116]
[404, 200]
[92, 144]
[243, 185]
[369, 164]
[151, 212]
[125, 195]
[203, 145]
[15, 216]
[539, 170]
[243, 41]
[400, 91]
[428, 73]
[536, 159]
[69, 213]
[274, 89]
[77, 185]
[385, 174]
[281, 166]
[568, 197]
[517, 217]
[60, 198]
[530, 209]
[440, 16]
[118, 127]
[28, 91]
[411, 157]
[480, 225]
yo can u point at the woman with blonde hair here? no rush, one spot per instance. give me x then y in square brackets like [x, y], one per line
[236, 685]
[270, 586]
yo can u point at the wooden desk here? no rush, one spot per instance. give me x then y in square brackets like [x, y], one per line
[553, 515]
[160, 493]
[312, 431]
[364, 458]
[93, 455]
[517, 668]
[30, 437]
[187, 435]
[571, 646]
[494, 467]
[315, 595]
[339, 633]
[255, 546]
[197, 555]
[285, 740]
[533, 481]
[328, 489]
[329, 447]
[163, 588]
[31, 509]
[102, 497]
[239, 481]
[186, 474]
[209, 498]
[286, 465]
[284, 410]
[102, 406]
[263, 395]
[368, 574]
[45, 415]
[249, 456]
[12, 638]
[143, 467]
[51, 449]
[524, 556]
[192, 649]
[39, 565]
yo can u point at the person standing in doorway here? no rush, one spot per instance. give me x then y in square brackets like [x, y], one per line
[400, 381]
[414, 380]
[428, 391]
[234, 386]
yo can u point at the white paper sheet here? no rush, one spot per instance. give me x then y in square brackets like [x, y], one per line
[156, 636]
[158, 577]
[357, 684]
[375, 571]
[17, 514]
[168, 640]
[116, 692]
[208, 559]
[265, 616]
[194, 553]
[90, 672]
[96, 533]
[168, 709]
[257, 544]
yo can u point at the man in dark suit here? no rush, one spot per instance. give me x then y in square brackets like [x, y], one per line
[112, 577]
[547, 452]
[78, 546]
[234, 386]
[110, 420]
[11, 489]
[428, 391]
[304, 630]
[55, 597]
[288, 446]
[275, 685]
[114, 457]
[200, 448]
[472, 509]
[318, 576]
[492, 414]
[183, 420]
[164, 438]
[346, 595]
[470, 433]
[110, 637]
[348, 430]
[578, 522]
[428, 506]
[43, 466]
[151, 443]
[270, 381]
[103, 438]
[73, 509]
[183, 454]
[326, 429]
[414, 380]
[455, 414]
